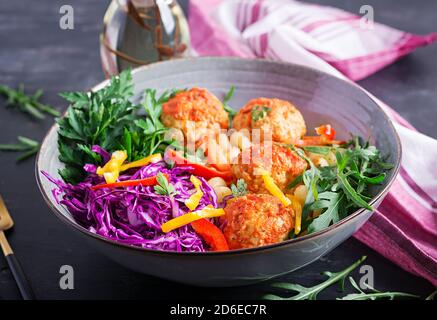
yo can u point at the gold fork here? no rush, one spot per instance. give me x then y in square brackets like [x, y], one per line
[6, 223]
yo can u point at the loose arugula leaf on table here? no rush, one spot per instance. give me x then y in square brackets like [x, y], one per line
[163, 187]
[310, 293]
[29, 104]
[240, 189]
[431, 296]
[374, 294]
[28, 146]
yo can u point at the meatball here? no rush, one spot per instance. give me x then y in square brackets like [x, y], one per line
[274, 117]
[255, 220]
[195, 105]
[283, 164]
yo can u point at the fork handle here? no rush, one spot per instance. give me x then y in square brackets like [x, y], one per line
[15, 267]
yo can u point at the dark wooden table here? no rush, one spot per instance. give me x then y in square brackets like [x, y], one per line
[35, 51]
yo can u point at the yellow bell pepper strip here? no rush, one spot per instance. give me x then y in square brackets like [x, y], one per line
[271, 186]
[111, 170]
[193, 201]
[207, 212]
[297, 208]
[142, 162]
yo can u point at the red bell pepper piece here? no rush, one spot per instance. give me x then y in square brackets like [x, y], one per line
[326, 134]
[198, 169]
[212, 235]
[150, 181]
[327, 131]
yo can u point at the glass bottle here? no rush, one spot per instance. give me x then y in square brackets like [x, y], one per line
[139, 32]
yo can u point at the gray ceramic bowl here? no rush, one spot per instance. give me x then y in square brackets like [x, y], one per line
[320, 97]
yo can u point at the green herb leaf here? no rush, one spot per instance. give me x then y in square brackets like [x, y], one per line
[240, 189]
[163, 187]
[226, 105]
[318, 149]
[259, 112]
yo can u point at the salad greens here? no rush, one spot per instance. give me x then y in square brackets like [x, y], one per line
[28, 146]
[29, 104]
[109, 119]
[338, 189]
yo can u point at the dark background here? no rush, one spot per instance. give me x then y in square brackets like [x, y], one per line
[36, 52]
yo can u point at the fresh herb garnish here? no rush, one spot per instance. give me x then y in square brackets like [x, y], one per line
[109, 119]
[240, 189]
[340, 189]
[259, 112]
[305, 293]
[29, 104]
[226, 105]
[28, 146]
[164, 187]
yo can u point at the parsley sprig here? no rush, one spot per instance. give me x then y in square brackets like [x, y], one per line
[29, 104]
[108, 118]
[163, 187]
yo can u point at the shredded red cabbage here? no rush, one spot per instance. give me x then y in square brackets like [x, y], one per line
[134, 215]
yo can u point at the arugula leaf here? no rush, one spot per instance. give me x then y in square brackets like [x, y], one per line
[331, 201]
[28, 146]
[340, 189]
[305, 293]
[374, 294]
[29, 104]
[240, 189]
[163, 187]
[259, 112]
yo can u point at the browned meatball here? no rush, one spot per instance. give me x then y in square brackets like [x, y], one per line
[283, 164]
[278, 118]
[198, 106]
[255, 220]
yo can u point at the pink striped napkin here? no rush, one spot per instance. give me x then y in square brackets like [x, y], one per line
[404, 229]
